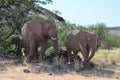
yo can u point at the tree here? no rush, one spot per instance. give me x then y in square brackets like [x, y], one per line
[101, 30]
[13, 14]
[62, 31]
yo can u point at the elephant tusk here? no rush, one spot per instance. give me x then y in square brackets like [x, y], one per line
[53, 38]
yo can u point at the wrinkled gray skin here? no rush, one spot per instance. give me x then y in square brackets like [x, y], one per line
[38, 32]
[83, 41]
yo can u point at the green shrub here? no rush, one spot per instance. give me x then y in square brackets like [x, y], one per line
[111, 41]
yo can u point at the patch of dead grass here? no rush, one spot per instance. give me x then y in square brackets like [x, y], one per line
[116, 75]
[106, 56]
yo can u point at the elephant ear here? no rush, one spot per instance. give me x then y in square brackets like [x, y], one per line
[36, 26]
[47, 26]
[93, 41]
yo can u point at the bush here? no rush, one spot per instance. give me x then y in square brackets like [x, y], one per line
[111, 41]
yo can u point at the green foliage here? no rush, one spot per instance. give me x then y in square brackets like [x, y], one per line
[13, 14]
[111, 41]
[62, 31]
[101, 31]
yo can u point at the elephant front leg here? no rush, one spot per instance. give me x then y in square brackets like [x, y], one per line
[36, 55]
[44, 46]
[32, 52]
[55, 46]
[85, 56]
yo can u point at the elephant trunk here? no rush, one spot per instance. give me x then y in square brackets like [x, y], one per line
[93, 50]
[55, 46]
[91, 55]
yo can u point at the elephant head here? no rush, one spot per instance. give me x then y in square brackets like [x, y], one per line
[49, 30]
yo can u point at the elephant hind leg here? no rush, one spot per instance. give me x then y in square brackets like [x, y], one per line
[69, 56]
[76, 61]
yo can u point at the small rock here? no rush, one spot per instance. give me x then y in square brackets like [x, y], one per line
[50, 73]
[26, 71]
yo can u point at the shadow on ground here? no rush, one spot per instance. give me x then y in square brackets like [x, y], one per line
[52, 69]
[8, 60]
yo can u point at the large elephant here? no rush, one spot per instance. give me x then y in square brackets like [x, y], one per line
[84, 41]
[38, 32]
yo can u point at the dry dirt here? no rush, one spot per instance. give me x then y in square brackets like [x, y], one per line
[12, 69]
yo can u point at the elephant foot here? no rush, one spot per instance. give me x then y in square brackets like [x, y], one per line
[56, 60]
[76, 64]
[87, 66]
[49, 59]
[41, 57]
[28, 60]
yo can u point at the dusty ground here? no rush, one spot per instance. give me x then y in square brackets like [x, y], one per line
[12, 69]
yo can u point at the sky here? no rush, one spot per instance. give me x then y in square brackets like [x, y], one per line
[87, 12]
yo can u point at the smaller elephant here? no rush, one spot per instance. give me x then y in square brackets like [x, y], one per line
[18, 43]
[83, 41]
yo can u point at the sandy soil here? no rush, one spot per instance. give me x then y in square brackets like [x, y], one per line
[12, 69]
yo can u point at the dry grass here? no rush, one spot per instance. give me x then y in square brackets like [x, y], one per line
[108, 58]
[103, 57]
[116, 75]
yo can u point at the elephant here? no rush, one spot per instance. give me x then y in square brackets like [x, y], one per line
[17, 41]
[38, 32]
[83, 41]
